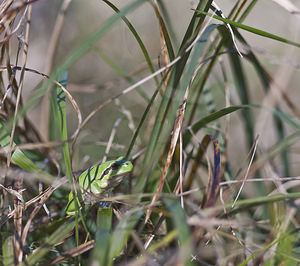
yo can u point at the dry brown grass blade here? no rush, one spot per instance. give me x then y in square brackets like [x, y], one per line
[13, 192]
[46, 194]
[25, 53]
[111, 138]
[8, 32]
[18, 247]
[43, 197]
[9, 11]
[164, 50]
[68, 94]
[176, 131]
[74, 252]
[33, 146]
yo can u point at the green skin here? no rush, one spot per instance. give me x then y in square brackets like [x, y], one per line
[99, 179]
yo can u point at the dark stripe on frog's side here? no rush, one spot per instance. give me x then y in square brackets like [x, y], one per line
[90, 179]
[87, 178]
[96, 172]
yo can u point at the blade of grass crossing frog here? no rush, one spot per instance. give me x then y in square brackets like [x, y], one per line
[104, 226]
[179, 221]
[62, 128]
[62, 122]
[121, 234]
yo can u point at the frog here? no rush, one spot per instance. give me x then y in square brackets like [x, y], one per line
[98, 180]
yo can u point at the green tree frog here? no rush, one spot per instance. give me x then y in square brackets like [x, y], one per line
[99, 179]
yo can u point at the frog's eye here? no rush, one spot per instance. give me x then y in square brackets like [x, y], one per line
[115, 166]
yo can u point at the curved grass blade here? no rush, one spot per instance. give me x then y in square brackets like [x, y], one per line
[136, 36]
[251, 29]
[164, 30]
[225, 111]
[169, 24]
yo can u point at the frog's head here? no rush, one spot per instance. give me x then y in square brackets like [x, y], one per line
[121, 166]
[112, 175]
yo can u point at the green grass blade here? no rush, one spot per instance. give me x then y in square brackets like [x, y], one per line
[53, 239]
[171, 100]
[137, 37]
[18, 156]
[243, 91]
[8, 251]
[169, 25]
[225, 111]
[62, 122]
[121, 233]
[183, 232]
[251, 29]
[165, 32]
[285, 153]
[104, 226]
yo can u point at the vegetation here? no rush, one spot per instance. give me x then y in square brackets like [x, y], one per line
[193, 197]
